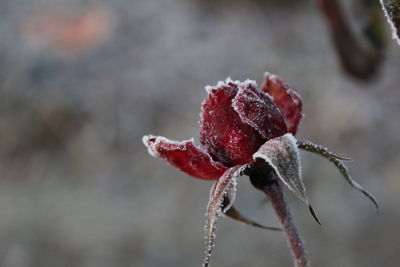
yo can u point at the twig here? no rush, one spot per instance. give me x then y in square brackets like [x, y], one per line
[360, 55]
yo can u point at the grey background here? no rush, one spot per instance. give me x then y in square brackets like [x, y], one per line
[77, 186]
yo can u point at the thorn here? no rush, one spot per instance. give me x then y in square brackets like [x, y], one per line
[314, 214]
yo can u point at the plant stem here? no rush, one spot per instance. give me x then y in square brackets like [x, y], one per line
[264, 178]
[274, 192]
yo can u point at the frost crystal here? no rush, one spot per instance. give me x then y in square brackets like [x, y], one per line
[239, 125]
[228, 81]
[337, 161]
[286, 98]
[185, 156]
[391, 8]
[283, 156]
[256, 109]
[225, 186]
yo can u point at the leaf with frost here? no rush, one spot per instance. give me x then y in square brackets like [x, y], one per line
[225, 186]
[283, 156]
[391, 9]
[234, 214]
[323, 151]
[318, 149]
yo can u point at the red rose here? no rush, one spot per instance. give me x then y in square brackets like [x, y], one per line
[244, 130]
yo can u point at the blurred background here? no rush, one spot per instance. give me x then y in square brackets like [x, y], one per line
[82, 81]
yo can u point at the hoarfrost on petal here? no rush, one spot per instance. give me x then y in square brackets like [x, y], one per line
[256, 109]
[228, 81]
[248, 83]
[185, 156]
[286, 98]
[222, 132]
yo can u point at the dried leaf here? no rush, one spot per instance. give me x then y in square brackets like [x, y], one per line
[322, 151]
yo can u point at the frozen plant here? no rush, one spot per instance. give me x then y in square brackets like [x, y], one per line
[391, 9]
[248, 131]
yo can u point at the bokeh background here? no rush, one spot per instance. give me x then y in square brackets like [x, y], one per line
[82, 81]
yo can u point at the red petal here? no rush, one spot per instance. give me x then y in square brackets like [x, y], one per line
[222, 132]
[257, 109]
[287, 99]
[185, 156]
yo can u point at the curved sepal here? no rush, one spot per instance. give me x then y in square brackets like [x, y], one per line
[323, 151]
[234, 214]
[283, 156]
[392, 13]
[225, 186]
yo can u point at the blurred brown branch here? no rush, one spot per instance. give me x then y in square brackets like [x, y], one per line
[360, 55]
